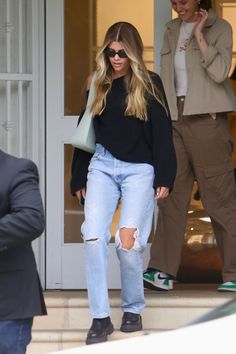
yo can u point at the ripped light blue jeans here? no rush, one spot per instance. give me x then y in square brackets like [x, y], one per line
[110, 180]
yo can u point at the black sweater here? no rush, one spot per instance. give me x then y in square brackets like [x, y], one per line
[130, 139]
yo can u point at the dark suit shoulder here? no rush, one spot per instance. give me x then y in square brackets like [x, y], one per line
[15, 164]
[28, 165]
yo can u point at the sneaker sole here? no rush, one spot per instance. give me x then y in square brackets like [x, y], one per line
[151, 285]
[109, 330]
[226, 289]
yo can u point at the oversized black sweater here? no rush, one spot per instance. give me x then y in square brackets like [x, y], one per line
[130, 139]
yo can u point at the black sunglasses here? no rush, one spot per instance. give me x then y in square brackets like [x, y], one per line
[111, 53]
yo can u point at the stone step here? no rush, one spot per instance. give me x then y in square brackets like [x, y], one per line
[69, 319]
[47, 341]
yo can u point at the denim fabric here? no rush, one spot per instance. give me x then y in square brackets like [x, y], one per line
[110, 179]
[15, 335]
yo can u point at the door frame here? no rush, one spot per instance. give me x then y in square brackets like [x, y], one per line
[38, 138]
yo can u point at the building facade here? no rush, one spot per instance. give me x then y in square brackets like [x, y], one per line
[47, 50]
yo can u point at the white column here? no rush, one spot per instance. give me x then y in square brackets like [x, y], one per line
[162, 14]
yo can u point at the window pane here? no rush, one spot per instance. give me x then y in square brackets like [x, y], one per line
[77, 54]
[14, 36]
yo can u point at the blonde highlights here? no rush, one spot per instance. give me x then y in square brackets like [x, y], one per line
[139, 84]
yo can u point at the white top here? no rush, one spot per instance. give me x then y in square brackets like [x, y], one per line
[181, 78]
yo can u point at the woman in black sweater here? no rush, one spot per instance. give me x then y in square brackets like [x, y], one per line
[134, 161]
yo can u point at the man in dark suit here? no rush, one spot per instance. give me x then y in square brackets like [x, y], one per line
[21, 221]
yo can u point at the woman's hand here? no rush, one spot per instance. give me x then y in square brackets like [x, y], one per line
[81, 192]
[201, 18]
[161, 193]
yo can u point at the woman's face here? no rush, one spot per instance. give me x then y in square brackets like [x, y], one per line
[186, 9]
[120, 64]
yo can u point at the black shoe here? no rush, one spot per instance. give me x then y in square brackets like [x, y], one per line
[99, 330]
[131, 322]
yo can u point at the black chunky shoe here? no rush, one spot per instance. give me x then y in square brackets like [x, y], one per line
[131, 322]
[99, 330]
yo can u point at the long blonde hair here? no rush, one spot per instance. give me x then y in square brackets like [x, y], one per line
[138, 81]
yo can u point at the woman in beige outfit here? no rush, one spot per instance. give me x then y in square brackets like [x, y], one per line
[195, 63]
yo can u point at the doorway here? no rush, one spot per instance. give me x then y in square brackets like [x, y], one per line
[75, 29]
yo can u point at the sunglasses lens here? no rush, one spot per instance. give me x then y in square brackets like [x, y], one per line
[122, 54]
[111, 53]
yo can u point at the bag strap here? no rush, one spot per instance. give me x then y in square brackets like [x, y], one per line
[91, 93]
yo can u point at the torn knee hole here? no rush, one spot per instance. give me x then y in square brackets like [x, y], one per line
[92, 240]
[127, 246]
[128, 237]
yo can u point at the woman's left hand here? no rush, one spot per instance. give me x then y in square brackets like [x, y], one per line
[161, 193]
[202, 16]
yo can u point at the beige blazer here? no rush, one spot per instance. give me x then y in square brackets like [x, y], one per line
[209, 88]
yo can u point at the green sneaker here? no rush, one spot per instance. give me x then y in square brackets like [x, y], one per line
[156, 280]
[228, 286]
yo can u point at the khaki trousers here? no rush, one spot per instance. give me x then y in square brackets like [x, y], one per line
[204, 148]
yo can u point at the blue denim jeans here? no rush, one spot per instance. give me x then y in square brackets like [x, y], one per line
[110, 180]
[15, 335]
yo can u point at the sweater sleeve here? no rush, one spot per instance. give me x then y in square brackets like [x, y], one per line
[217, 58]
[79, 167]
[164, 158]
